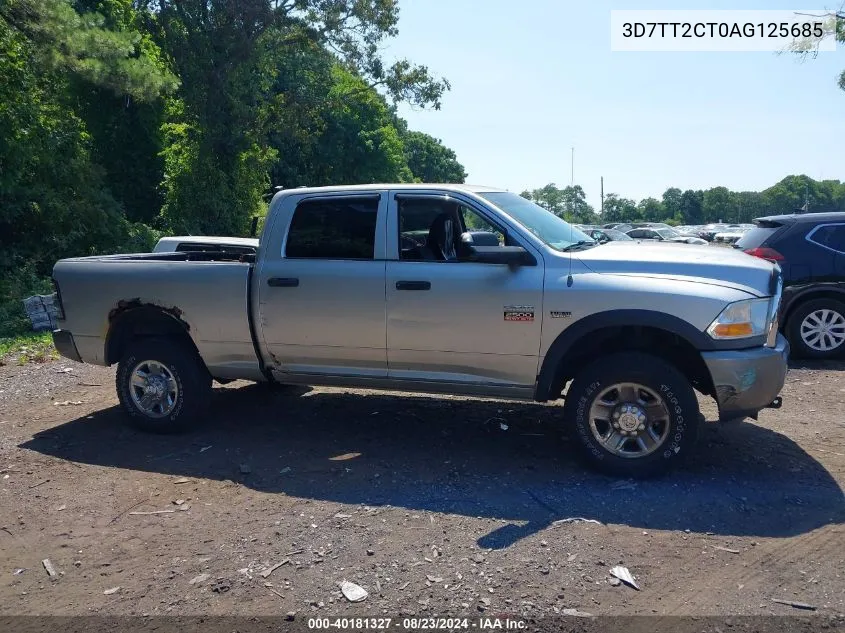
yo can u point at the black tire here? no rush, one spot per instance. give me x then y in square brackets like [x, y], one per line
[188, 373]
[677, 428]
[799, 348]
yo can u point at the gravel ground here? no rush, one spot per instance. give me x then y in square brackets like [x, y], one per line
[436, 506]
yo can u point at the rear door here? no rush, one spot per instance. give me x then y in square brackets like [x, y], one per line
[321, 288]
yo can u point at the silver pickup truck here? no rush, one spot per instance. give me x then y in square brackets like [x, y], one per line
[440, 289]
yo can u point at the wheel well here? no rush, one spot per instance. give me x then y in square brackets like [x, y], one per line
[136, 320]
[627, 338]
[811, 296]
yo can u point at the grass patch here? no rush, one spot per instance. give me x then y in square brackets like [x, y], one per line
[32, 347]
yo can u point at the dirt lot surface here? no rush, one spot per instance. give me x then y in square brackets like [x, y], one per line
[435, 506]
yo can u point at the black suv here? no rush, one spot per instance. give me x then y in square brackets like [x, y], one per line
[810, 249]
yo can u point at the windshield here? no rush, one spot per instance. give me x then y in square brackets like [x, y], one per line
[548, 227]
[668, 233]
[618, 235]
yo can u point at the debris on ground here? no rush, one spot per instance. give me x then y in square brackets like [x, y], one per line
[577, 613]
[109, 592]
[221, 585]
[353, 592]
[67, 403]
[725, 549]
[198, 579]
[285, 470]
[434, 579]
[18, 571]
[503, 426]
[182, 480]
[179, 502]
[795, 605]
[625, 576]
[576, 520]
[51, 571]
[266, 573]
[61, 507]
[613, 581]
[145, 513]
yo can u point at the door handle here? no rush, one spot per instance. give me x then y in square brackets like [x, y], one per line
[413, 285]
[283, 282]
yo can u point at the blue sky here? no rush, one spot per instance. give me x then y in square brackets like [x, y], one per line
[532, 79]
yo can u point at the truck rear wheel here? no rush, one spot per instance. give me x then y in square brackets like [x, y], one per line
[633, 414]
[162, 385]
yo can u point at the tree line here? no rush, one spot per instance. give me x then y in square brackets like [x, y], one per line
[122, 119]
[695, 207]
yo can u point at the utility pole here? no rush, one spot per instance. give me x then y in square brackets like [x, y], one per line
[572, 175]
[602, 195]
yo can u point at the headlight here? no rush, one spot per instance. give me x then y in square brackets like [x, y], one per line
[743, 319]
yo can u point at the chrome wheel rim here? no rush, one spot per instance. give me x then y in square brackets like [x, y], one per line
[153, 389]
[630, 420]
[823, 330]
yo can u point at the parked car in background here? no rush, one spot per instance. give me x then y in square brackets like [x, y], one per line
[708, 231]
[622, 227]
[608, 235]
[207, 243]
[810, 249]
[688, 230]
[664, 235]
[732, 234]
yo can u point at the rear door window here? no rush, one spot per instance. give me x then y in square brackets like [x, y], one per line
[333, 228]
[830, 236]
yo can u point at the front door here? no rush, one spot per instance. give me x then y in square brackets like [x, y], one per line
[451, 320]
[322, 305]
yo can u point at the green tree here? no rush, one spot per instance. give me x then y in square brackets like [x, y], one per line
[618, 209]
[717, 205]
[549, 197]
[575, 206]
[691, 209]
[672, 198]
[431, 161]
[54, 201]
[68, 41]
[651, 210]
[229, 56]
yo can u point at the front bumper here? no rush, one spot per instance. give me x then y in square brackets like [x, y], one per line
[65, 345]
[747, 380]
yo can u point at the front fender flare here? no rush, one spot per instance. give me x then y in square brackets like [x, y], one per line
[552, 368]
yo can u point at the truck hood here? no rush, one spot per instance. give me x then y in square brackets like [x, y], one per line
[704, 264]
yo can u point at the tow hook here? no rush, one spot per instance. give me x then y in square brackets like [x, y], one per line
[775, 404]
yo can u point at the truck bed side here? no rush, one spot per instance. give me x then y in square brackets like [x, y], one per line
[209, 299]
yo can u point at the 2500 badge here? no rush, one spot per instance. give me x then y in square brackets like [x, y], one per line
[519, 313]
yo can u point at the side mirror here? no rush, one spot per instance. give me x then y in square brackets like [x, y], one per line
[510, 255]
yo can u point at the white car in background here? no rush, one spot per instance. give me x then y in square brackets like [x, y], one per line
[732, 234]
[664, 235]
[204, 243]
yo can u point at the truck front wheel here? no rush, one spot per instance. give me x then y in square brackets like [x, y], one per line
[633, 414]
[162, 385]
